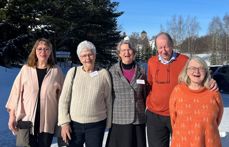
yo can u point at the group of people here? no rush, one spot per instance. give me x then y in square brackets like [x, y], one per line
[176, 98]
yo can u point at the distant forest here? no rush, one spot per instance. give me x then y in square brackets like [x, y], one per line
[185, 34]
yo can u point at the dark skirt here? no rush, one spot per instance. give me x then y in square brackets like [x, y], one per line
[129, 135]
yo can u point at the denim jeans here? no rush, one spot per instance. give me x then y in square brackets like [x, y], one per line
[89, 133]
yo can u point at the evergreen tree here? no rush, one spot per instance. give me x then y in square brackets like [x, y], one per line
[17, 23]
[76, 20]
[65, 22]
[146, 48]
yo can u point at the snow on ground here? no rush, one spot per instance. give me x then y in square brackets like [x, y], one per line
[206, 57]
[7, 77]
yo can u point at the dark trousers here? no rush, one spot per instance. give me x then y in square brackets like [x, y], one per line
[129, 135]
[89, 133]
[40, 140]
[158, 130]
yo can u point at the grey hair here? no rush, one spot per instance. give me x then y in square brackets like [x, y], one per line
[170, 40]
[85, 45]
[183, 77]
[124, 41]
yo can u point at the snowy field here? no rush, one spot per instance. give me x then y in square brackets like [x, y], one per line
[7, 77]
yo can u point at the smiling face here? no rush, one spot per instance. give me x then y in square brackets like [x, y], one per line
[126, 54]
[196, 73]
[164, 47]
[43, 52]
[87, 58]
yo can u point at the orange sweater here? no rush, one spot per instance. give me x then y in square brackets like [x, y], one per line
[195, 117]
[162, 79]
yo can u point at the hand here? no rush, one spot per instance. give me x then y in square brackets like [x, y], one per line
[12, 123]
[213, 85]
[66, 133]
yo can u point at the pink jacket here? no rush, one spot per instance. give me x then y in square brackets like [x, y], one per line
[23, 96]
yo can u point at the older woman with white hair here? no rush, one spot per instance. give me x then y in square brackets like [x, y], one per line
[195, 111]
[85, 102]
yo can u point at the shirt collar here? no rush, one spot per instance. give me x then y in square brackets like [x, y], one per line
[174, 55]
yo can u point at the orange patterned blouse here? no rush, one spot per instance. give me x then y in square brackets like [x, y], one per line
[195, 117]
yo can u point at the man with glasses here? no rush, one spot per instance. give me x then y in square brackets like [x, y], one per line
[163, 71]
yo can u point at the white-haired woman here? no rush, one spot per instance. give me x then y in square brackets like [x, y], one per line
[195, 111]
[85, 104]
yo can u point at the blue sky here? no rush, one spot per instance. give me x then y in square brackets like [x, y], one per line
[148, 15]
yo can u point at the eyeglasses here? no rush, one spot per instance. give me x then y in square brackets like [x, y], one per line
[43, 49]
[126, 50]
[163, 47]
[194, 69]
[87, 55]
